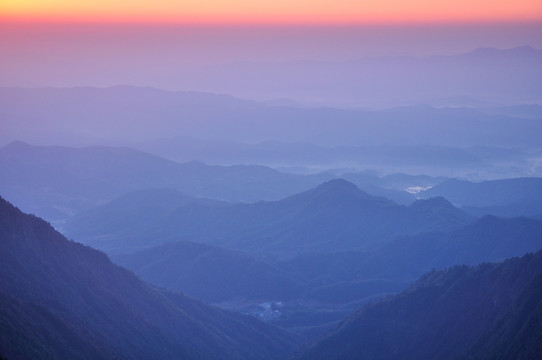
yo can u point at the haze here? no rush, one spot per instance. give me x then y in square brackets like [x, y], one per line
[265, 180]
[182, 57]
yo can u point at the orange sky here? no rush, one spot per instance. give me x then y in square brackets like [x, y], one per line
[272, 11]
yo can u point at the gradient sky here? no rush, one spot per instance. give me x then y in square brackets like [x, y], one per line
[153, 43]
[273, 11]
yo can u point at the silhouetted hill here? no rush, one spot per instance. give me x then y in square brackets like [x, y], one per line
[60, 299]
[507, 197]
[333, 216]
[443, 315]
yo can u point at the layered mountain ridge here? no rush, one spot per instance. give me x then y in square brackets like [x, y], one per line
[335, 215]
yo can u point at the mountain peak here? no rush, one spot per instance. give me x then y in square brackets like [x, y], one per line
[337, 188]
[440, 213]
[340, 190]
[336, 184]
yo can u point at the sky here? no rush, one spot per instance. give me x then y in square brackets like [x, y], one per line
[273, 11]
[148, 43]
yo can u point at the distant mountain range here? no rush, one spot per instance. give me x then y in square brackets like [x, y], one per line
[56, 182]
[60, 299]
[482, 142]
[127, 115]
[425, 158]
[333, 216]
[294, 74]
[317, 289]
[314, 237]
[320, 254]
[482, 76]
[491, 311]
[506, 197]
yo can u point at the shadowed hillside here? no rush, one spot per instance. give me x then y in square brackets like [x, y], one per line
[444, 314]
[61, 299]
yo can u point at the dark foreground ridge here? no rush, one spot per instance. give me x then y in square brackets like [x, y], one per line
[63, 300]
[491, 311]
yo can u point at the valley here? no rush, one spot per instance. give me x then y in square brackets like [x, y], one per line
[263, 183]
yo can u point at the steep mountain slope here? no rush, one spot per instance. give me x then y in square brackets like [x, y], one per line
[60, 299]
[333, 216]
[517, 335]
[442, 315]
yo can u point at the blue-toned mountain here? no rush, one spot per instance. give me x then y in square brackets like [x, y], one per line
[55, 181]
[336, 215]
[60, 299]
[460, 313]
[505, 197]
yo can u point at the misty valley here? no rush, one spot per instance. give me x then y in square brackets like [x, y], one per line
[142, 223]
